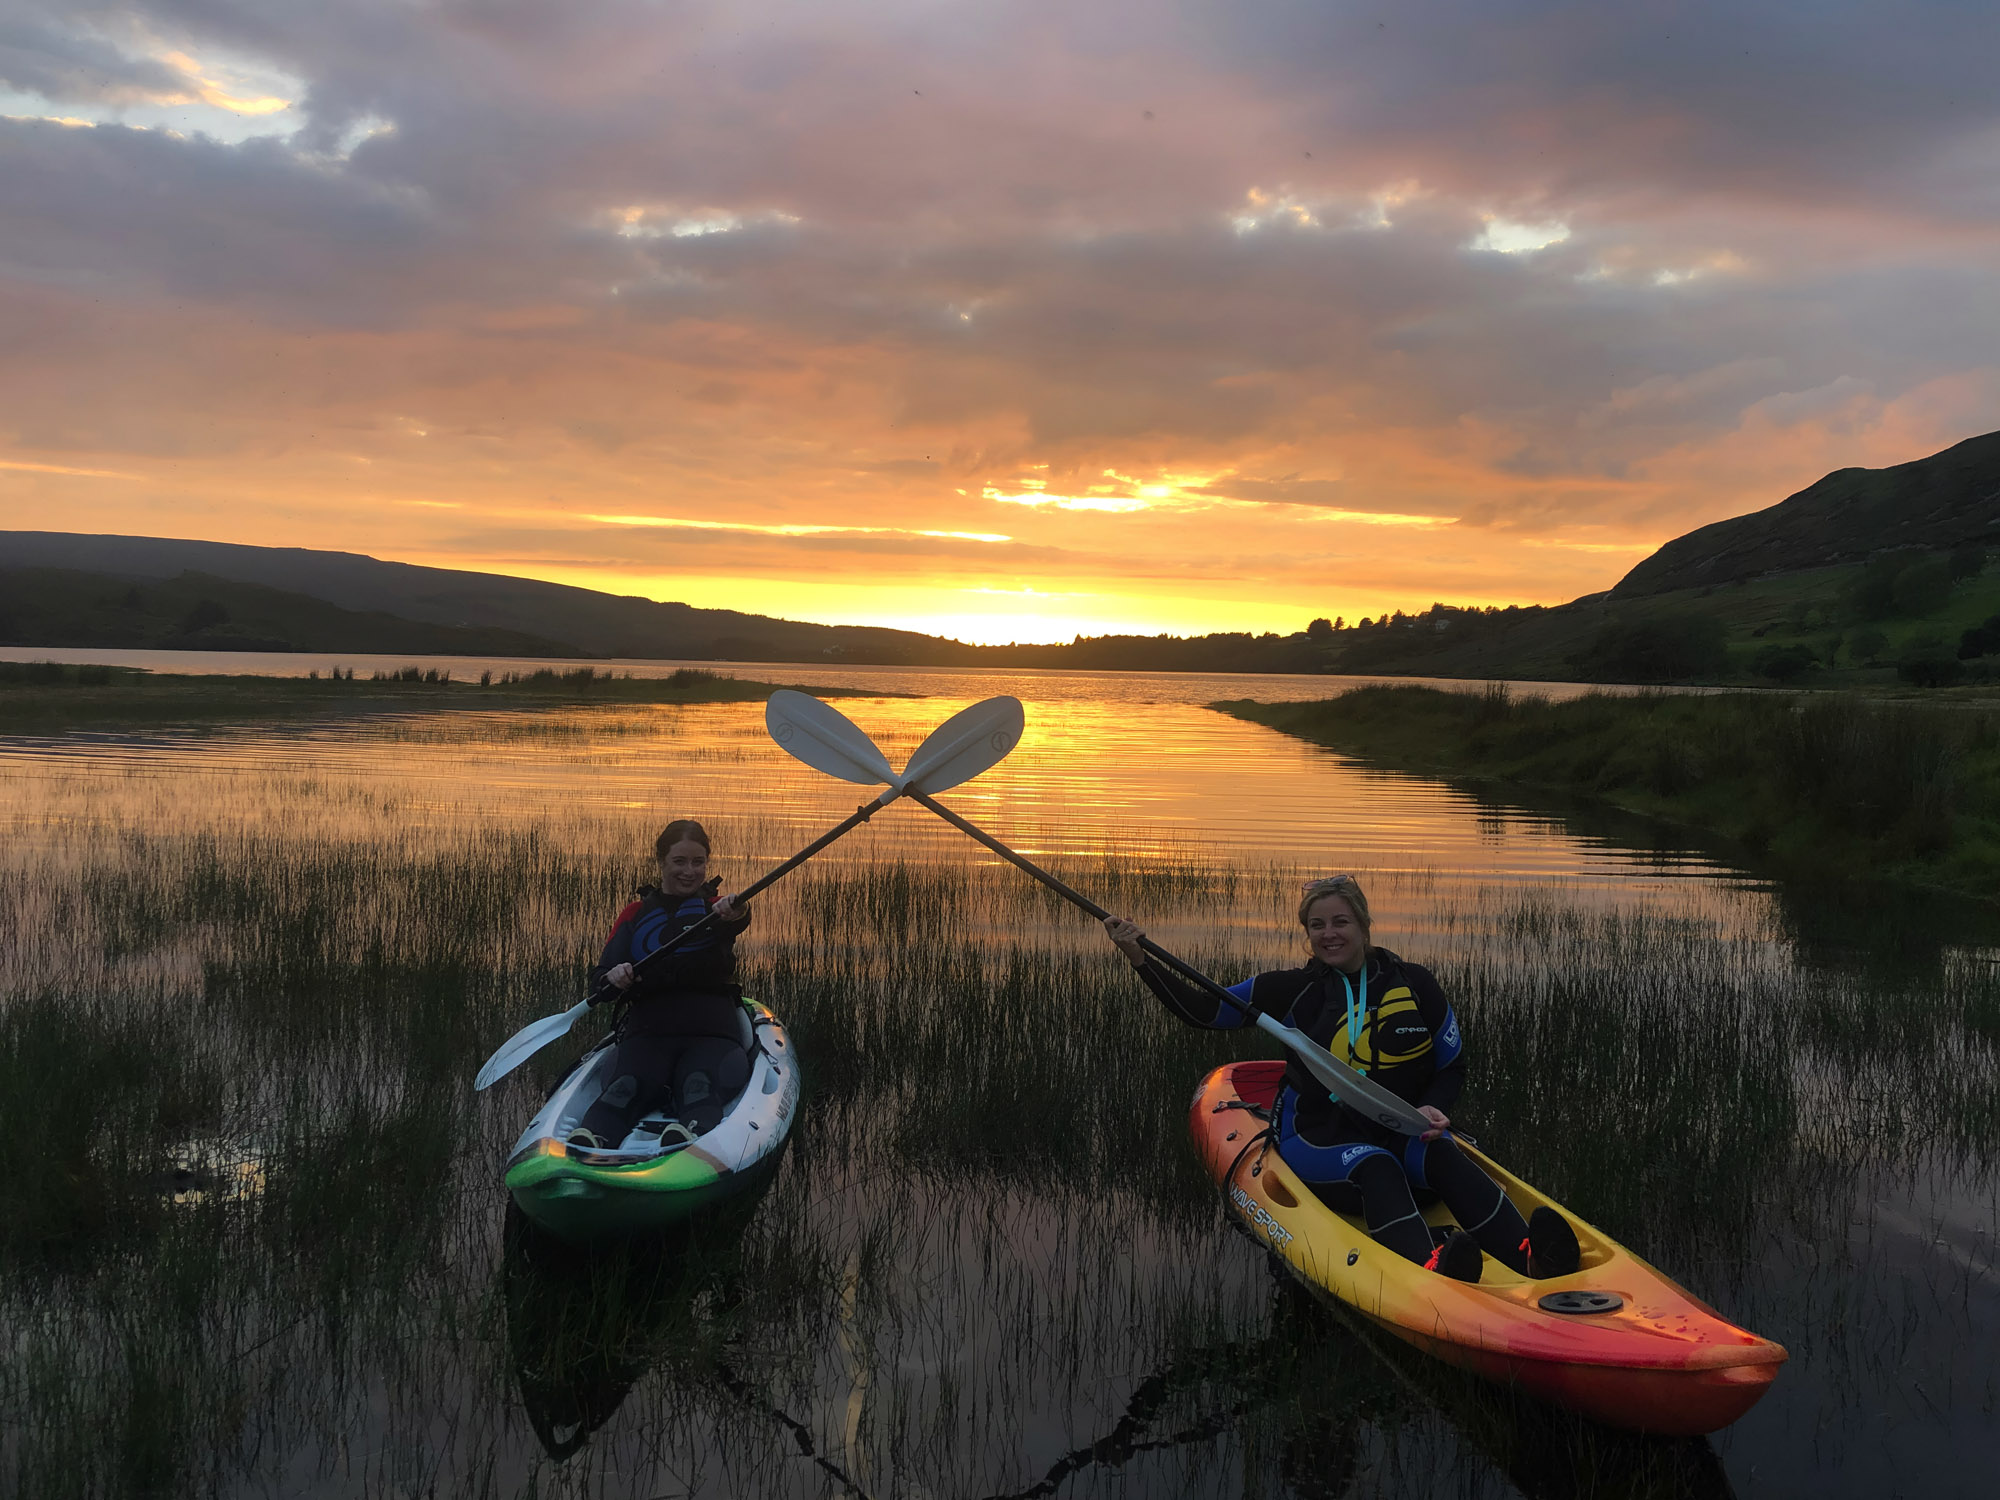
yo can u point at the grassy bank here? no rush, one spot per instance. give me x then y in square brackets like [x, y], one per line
[53, 698]
[1811, 786]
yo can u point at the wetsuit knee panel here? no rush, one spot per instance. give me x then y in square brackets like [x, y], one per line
[1421, 1167]
[1335, 1162]
[622, 1092]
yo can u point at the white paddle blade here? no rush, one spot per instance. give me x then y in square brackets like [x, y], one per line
[1346, 1085]
[825, 739]
[525, 1043]
[970, 741]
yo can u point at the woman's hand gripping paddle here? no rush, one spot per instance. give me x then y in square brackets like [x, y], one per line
[970, 741]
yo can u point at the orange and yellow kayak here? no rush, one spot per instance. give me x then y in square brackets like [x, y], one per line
[1616, 1341]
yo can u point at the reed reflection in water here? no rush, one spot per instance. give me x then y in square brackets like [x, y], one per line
[989, 1265]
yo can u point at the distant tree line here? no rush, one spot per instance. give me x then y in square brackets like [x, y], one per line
[1387, 643]
[1688, 644]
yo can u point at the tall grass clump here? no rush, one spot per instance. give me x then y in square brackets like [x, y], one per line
[62, 674]
[1890, 770]
[433, 675]
[587, 677]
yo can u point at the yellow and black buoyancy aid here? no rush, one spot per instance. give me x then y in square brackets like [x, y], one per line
[1391, 1022]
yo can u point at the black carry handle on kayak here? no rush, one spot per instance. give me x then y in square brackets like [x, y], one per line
[860, 815]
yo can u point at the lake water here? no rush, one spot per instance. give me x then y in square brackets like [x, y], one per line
[1036, 685]
[320, 929]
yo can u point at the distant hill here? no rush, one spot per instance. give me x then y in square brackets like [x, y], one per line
[1935, 503]
[579, 621]
[57, 607]
[1868, 577]
[293, 598]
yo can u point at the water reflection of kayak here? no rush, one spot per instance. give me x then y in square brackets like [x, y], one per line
[583, 1326]
[656, 1177]
[1310, 1395]
[1617, 1341]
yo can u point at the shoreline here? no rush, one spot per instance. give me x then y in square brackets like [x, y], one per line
[33, 701]
[1812, 787]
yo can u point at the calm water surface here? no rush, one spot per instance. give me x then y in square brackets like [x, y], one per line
[927, 1309]
[977, 682]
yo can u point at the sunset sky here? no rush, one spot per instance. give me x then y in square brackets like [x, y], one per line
[1002, 320]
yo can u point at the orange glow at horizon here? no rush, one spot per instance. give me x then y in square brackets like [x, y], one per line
[1182, 560]
[793, 312]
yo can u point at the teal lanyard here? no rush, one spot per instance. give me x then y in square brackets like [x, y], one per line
[1357, 1012]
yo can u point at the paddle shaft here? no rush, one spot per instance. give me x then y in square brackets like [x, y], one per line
[1071, 894]
[1383, 1106]
[847, 825]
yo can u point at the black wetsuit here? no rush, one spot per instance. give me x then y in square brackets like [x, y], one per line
[1391, 1022]
[681, 1046]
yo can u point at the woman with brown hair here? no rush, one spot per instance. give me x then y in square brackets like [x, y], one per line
[682, 1042]
[1389, 1020]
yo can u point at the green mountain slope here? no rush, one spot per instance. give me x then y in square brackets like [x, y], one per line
[1935, 503]
[1857, 625]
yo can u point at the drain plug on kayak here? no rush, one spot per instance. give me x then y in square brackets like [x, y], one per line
[1582, 1302]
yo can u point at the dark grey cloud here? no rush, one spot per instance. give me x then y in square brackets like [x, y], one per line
[62, 57]
[244, 224]
[1768, 98]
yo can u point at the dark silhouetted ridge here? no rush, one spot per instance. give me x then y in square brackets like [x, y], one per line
[1938, 502]
[555, 615]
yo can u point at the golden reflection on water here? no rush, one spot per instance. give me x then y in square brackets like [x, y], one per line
[1169, 786]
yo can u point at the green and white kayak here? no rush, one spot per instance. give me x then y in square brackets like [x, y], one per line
[653, 1178]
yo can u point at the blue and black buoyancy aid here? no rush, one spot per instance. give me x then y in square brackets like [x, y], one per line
[691, 991]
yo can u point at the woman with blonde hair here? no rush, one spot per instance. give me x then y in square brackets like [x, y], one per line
[1389, 1020]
